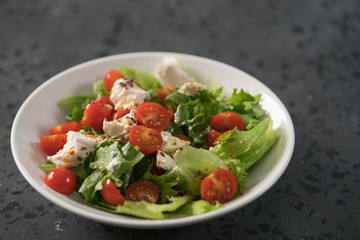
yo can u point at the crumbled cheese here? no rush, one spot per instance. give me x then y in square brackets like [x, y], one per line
[171, 73]
[76, 149]
[191, 88]
[120, 127]
[171, 144]
[126, 94]
[164, 161]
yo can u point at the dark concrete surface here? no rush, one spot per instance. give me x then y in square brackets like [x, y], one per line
[307, 52]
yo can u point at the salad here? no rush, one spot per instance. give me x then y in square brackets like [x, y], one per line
[156, 146]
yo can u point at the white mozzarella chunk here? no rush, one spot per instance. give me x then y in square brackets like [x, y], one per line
[191, 88]
[120, 127]
[126, 94]
[164, 161]
[171, 74]
[76, 149]
[171, 144]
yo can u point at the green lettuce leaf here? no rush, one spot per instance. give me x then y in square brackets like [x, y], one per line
[74, 106]
[79, 170]
[165, 186]
[196, 208]
[244, 103]
[232, 143]
[152, 211]
[69, 103]
[192, 166]
[89, 186]
[174, 129]
[258, 150]
[94, 183]
[193, 114]
[144, 209]
[146, 81]
[175, 99]
[99, 89]
[47, 167]
[247, 146]
[124, 158]
[237, 168]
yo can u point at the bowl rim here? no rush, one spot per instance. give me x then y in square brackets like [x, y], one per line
[143, 223]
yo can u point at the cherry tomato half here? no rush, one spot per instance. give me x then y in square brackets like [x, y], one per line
[119, 113]
[153, 115]
[147, 139]
[143, 191]
[212, 136]
[221, 185]
[61, 180]
[53, 143]
[225, 121]
[65, 128]
[110, 78]
[94, 115]
[162, 93]
[111, 193]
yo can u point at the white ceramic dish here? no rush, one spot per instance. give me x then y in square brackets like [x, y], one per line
[39, 113]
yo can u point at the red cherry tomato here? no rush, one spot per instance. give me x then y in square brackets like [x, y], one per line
[120, 113]
[153, 115]
[94, 115]
[65, 128]
[221, 185]
[162, 93]
[171, 112]
[111, 194]
[225, 121]
[110, 78]
[106, 100]
[212, 136]
[53, 143]
[143, 191]
[61, 180]
[147, 139]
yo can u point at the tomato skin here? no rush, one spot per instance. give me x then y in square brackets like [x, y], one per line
[212, 136]
[220, 185]
[153, 115]
[110, 78]
[61, 180]
[143, 191]
[119, 113]
[106, 100]
[111, 193]
[94, 115]
[65, 128]
[147, 139]
[171, 112]
[162, 93]
[51, 144]
[225, 121]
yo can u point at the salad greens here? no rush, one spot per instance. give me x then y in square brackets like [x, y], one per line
[235, 150]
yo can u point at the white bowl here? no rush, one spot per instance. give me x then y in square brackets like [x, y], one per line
[39, 113]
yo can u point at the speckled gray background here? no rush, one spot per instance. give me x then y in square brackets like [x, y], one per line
[308, 52]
